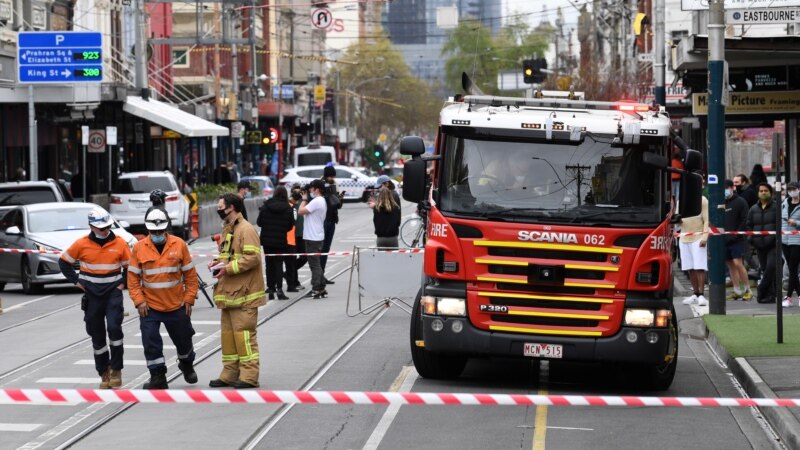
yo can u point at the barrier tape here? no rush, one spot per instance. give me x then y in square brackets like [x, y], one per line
[720, 231]
[213, 255]
[75, 396]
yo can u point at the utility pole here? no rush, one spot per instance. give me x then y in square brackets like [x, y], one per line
[578, 177]
[716, 151]
[659, 65]
[140, 48]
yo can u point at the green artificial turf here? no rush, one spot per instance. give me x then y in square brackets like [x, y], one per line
[752, 336]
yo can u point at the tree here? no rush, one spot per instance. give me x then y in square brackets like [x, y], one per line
[380, 95]
[472, 49]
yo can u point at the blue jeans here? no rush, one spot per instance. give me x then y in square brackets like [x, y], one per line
[104, 314]
[179, 328]
[330, 228]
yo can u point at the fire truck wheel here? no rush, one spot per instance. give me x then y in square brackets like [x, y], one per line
[659, 377]
[429, 364]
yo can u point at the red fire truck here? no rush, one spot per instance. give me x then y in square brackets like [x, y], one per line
[549, 227]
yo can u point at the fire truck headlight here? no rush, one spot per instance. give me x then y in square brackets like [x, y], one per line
[639, 317]
[447, 306]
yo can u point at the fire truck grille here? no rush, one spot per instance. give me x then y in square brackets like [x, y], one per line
[558, 322]
[547, 304]
[545, 289]
[547, 254]
[568, 273]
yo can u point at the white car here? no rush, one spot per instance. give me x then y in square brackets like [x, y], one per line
[130, 199]
[349, 180]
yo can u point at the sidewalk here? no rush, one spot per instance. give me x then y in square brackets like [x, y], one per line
[761, 377]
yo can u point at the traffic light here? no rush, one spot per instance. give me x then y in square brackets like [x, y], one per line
[533, 70]
[527, 71]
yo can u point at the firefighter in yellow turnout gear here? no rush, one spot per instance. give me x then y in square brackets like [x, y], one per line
[238, 293]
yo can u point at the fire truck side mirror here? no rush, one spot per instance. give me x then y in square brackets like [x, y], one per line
[414, 180]
[690, 204]
[412, 146]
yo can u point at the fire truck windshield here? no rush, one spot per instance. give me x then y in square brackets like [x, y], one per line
[560, 181]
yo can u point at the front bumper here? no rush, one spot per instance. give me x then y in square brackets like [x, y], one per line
[476, 342]
[44, 269]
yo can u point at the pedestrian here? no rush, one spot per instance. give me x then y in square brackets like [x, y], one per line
[314, 208]
[791, 242]
[333, 199]
[238, 293]
[757, 175]
[275, 218]
[243, 191]
[234, 171]
[677, 163]
[745, 189]
[221, 174]
[385, 181]
[386, 218]
[735, 220]
[294, 239]
[694, 253]
[102, 256]
[21, 175]
[762, 217]
[163, 284]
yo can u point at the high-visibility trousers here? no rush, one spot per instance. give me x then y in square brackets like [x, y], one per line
[239, 345]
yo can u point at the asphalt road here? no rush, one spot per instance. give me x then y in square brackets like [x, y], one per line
[312, 344]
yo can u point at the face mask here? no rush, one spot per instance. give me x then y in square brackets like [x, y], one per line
[222, 214]
[158, 238]
[102, 236]
[728, 193]
[794, 194]
[248, 194]
[764, 196]
[739, 188]
[312, 195]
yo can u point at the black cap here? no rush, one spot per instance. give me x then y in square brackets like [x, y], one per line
[329, 171]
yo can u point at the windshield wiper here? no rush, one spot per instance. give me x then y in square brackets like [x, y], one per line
[579, 218]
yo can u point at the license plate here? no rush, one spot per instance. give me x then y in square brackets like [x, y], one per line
[536, 350]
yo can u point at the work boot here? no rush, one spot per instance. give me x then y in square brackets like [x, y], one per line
[104, 379]
[158, 379]
[281, 295]
[217, 383]
[114, 378]
[188, 371]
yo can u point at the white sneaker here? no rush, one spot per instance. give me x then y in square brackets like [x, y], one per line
[787, 302]
[690, 300]
[701, 300]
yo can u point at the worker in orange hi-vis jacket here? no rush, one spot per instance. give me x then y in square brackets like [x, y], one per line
[102, 256]
[163, 285]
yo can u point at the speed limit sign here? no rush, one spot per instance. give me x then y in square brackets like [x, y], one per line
[97, 141]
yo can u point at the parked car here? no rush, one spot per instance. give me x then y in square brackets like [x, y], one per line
[265, 186]
[30, 192]
[130, 199]
[45, 227]
[349, 180]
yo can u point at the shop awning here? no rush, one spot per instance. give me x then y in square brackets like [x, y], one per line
[173, 118]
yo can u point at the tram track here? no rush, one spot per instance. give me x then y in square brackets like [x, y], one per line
[119, 410]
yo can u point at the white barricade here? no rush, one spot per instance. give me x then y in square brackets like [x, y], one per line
[384, 277]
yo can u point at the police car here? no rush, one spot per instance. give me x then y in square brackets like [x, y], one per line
[349, 180]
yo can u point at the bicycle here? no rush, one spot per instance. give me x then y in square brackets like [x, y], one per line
[412, 232]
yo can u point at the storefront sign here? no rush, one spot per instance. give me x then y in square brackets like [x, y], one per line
[697, 5]
[752, 103]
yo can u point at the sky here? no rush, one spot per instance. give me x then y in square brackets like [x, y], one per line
[534, 9]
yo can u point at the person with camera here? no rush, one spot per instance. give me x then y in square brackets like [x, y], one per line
[102, 257]
[238, 293]
[314, 208]
[163, 284]
[275, 218]
[334, 202]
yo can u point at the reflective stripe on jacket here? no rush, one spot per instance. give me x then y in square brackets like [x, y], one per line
[243, 283]
[101, 263]
[164, 280]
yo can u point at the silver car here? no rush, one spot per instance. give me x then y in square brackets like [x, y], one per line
[45, 227]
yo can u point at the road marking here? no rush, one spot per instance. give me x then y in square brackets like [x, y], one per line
[571, 428]
[141, 347]
[20, 305]
[127, 362]
[540, 421]
[66, 380]
[403, 383]
[165, 334]
[19, 426]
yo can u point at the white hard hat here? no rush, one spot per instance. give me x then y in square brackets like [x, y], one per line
[156, 220]
[100, 218]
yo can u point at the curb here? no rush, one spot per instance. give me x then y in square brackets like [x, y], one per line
[785, 424]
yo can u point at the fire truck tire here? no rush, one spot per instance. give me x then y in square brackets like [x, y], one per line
[430, 364]
[659, 377]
